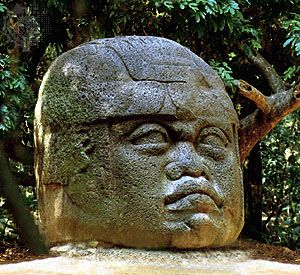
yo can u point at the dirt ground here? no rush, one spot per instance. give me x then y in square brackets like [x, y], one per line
[13, 254]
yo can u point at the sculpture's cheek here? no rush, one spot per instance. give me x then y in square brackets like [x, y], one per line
[139, 182]
[229, 180]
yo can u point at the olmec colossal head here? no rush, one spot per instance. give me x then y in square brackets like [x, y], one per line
[136, 145]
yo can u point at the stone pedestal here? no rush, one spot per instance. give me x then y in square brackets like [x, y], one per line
[81, 259]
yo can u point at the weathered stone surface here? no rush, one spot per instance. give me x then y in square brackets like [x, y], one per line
[136, 145]
[83, 260]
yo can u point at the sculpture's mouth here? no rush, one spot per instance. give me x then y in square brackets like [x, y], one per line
[196, 195]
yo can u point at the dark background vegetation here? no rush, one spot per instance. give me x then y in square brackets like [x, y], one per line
[222, 32]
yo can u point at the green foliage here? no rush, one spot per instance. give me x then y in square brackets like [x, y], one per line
[183, 18]
[203, 8]
[292, 26]
[2, 7]
[221, 15]
[8, 230]
[60, 4]
[225, 72]
[18, 27]
[281, 182]
[291, 73]
[16, 98]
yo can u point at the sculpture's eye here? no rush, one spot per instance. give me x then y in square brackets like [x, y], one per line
[151, 138]
[212, 142]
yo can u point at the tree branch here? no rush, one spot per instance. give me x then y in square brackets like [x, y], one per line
[260, 100]
[76, 36]
[21, 215]
[275, 81]
[24, 180]
[19, 152]
[270, 111]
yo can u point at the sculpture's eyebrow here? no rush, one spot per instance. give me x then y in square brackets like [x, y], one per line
[192, 130]
[124, 126]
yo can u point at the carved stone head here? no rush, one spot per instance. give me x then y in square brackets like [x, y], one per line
[136, 145]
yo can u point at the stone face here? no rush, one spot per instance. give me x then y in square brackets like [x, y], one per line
[136, 145]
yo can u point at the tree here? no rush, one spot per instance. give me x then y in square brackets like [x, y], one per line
[256, 41]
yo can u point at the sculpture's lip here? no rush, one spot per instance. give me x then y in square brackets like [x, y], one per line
[186, 193]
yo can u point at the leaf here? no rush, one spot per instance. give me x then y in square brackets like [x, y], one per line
[232, 11]
[234, 5]
[168, 4]
[193, 6]
[211, 2]
[203, 14]
[3, 109]
[208, 10]
[287, 42]
[2, 7]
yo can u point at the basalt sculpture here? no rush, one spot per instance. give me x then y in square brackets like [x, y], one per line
[136, 144]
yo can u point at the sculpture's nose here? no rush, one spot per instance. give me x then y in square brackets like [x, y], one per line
[185, 161]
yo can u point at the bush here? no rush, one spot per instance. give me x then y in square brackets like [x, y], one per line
[281, 183]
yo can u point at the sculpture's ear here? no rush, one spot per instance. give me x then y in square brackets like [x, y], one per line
[270, 110]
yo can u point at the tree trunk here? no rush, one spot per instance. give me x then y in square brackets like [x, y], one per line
[22, 216]
[253, 195]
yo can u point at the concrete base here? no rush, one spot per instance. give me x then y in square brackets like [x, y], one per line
[88, 260]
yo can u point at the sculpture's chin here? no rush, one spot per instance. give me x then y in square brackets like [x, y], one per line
[207, 236]
[176, 235]
[183, 240]
[199, 232]
[203, 230]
